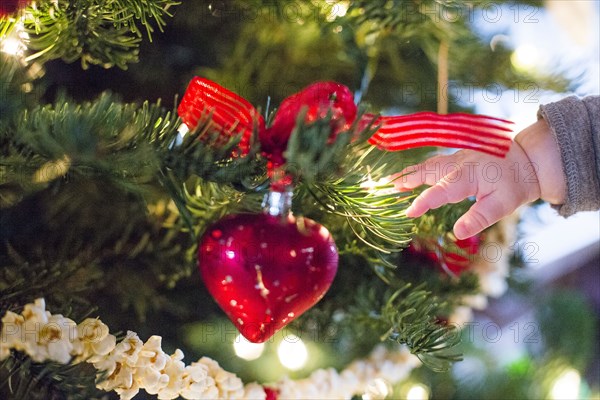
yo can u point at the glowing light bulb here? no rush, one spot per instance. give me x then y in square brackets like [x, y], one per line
[246, 349]
[12, 46]
[525, 57]
[566, 386]
[383, 186]
[292, 352]
[418, 392]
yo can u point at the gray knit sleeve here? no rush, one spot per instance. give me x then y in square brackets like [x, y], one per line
[575, 124]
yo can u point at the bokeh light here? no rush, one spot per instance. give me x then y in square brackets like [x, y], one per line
[292, 352]
[566, 386]
[246, 349]
[418, 392]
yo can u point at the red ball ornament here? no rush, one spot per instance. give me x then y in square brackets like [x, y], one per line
[265, 270]
[8, 7]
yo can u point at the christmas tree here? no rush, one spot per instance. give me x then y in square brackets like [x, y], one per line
[142, 139]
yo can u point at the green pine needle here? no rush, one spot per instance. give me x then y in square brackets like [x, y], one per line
[105, 33]
[23, 379]
[408, 316]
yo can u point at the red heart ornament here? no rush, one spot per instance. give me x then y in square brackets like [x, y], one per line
[264, 271]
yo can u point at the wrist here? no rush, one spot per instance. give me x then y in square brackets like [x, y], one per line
[542, 151]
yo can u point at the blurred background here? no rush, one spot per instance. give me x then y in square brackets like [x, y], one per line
[503, 59]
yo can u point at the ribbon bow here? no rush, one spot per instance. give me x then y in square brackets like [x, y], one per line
[234, 115]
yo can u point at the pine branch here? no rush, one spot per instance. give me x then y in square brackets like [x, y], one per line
[408, 316]
[105, 33]
[100, 139]
[201, 153]
[436, 226]
[16, 90]
[449, 290]
[209, 201]
[112, 252]
[334, 172]
[22, 379]
[376, 219]
[374, 211]
[411, 19]
[131, 146]
[132, 11]
[61, 279]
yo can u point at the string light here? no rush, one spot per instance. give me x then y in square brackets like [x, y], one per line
[418, 392]
[246, 349]
[292, 352]
[566, 386]
[525, 57]
[13, 43]
[383, 186]
[12, 47]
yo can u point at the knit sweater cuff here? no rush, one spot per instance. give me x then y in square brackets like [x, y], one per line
[571, 125]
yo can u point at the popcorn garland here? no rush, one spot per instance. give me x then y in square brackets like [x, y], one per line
[131, 364]
[358, 378]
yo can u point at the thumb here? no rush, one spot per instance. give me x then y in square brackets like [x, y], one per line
[485, 212]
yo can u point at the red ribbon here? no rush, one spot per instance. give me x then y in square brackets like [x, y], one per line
[452, 262]
[234, 115]
[8, 7]
[467, 131]
[272, 394]
[228, 113]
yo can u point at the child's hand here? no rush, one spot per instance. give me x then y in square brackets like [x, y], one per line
[531, 170]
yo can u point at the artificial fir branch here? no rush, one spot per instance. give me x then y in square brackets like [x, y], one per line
[105, 33]
[377, 220]
[69, 140]
[314, 153]
[198, 154]
[16, 90]
[407, 316]
[22, 379]
[209, 201]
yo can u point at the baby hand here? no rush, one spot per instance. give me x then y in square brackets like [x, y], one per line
[499, 185]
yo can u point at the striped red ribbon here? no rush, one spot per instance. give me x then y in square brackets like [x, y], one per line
[232, 115]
